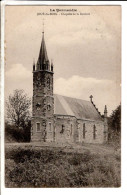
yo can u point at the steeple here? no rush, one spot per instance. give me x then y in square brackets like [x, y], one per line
[33, 65]
[51, 65]
[43, 61]
[105, 111]
[43, 100]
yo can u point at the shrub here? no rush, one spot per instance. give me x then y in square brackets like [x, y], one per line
[14, 134]
[55, 168]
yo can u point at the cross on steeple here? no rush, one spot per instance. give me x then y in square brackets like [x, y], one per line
[43, 25]
[91, 97]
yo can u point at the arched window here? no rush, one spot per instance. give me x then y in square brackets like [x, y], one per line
[50, 126]
[63, 128]
[71, 130]
[94, 132]
[38, 106]
[84, 130]
[48, 107]
[48, 83]
[38, 127]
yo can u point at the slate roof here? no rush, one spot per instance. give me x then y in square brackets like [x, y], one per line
[81, 109]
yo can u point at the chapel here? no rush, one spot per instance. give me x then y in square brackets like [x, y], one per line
[62, 119]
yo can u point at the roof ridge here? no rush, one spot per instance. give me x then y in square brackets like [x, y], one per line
[72, 97]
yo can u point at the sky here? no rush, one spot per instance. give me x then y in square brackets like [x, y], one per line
[85, 49]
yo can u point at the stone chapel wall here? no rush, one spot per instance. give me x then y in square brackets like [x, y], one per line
[65, 129]
[90, 131]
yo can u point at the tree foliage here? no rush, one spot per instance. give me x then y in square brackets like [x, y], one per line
[17, 107]
[115, 119]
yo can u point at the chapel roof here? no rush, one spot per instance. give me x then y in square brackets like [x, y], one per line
[81, 109]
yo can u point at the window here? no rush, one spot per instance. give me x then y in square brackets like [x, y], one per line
[38, 127]
[71, 130]
[84, 131]
[48, 107]
[94, 132]
[48, 83]
[50, 127]
[63, 128]
[38, 105]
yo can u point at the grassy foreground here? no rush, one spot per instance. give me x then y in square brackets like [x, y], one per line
[45, 167]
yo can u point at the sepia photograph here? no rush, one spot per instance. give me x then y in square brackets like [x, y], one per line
[62, 90]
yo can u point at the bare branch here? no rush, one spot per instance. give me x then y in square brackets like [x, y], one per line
[18, 106]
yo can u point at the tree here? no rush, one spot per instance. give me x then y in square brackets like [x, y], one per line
[18, 105]
[115, 119]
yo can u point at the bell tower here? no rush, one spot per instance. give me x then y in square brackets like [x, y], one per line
[42, 123]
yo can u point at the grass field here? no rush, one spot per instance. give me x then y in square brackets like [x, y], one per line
[29, 165]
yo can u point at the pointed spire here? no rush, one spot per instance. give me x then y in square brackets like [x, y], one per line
[105, 110]
[33, 65]
[52, 65]
[43, 62]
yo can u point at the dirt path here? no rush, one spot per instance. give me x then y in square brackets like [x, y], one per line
[101, 149]
[93, 148]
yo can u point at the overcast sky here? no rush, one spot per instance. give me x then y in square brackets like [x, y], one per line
[85, 49]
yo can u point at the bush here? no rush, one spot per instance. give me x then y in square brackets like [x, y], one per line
[55, 168]
[14, 134]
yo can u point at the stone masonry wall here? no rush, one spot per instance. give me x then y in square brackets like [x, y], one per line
[65, 129]
[43, 106]
[73, 130]
[89, 134]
